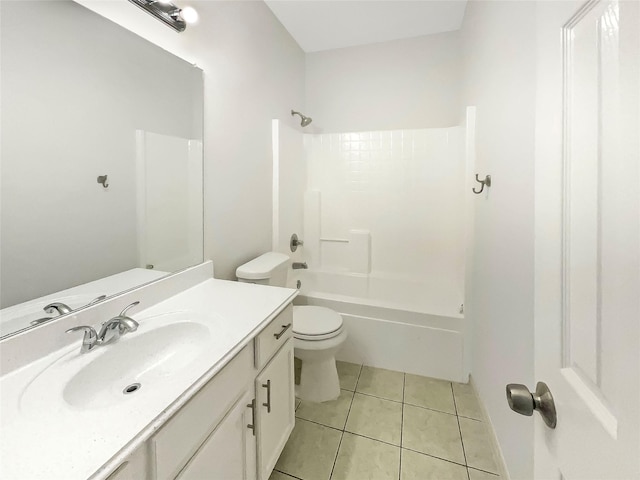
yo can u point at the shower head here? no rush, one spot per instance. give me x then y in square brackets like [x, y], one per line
[305, 120]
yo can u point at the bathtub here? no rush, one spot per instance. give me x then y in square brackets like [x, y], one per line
[396, 323]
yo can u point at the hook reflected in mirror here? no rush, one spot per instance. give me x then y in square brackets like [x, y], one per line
[486, 181]
[103, 180]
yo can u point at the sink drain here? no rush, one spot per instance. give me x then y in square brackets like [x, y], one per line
[134, 387]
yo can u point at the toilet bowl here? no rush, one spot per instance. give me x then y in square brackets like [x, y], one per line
[318, 332]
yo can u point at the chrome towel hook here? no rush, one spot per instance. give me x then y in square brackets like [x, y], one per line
[486, 181]
[103, 180]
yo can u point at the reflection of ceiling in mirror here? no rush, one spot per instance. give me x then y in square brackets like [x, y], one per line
[76, 88]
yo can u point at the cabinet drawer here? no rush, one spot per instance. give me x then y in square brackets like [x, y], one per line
[273, 337]
[183, 434]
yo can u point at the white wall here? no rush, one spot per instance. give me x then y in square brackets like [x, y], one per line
[253, 72]
[498, 39]
[412, 83]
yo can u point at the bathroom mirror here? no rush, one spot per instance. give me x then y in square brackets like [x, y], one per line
[101, 148]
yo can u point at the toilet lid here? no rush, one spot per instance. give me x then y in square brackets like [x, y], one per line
[315, 323]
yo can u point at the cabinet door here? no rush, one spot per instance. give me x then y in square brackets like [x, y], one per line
[230, 450]
[276, 408]
[134, 468]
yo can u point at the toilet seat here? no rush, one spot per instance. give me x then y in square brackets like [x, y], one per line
[314, 323]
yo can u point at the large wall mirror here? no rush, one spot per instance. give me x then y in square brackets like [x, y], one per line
[83, 98]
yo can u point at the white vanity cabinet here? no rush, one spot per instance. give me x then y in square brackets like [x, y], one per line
[230, 451]
[276, 408]
[236, 426]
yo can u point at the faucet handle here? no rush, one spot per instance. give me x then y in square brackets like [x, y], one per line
[123, 313]
[96, 300]
[127, 324]
[90, 338]
[59, 307]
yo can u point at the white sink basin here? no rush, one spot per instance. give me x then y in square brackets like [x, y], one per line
[162, 349]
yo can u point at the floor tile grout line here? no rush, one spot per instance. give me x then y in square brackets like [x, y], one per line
[287, 474]
[344, 427]
[497, 475]
[335, 460]
[346, 419]
[436, 457]
[318, 423]
[377, 396]
[464, 452]
[429, 408]
[471, 418]
[412, 405]
[404, 383]
[371, 438]
[355, 387]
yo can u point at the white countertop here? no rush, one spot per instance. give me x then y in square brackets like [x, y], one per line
[47, 439]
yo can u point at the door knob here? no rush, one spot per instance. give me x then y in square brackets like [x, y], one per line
[522, 401]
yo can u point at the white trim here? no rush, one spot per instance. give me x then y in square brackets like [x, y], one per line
[275, 192]
[498, 456]
[599, 410]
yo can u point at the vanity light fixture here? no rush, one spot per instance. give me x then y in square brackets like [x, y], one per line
[171, 15]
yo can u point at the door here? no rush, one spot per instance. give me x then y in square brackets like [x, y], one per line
[275, 400]
[230, 451]
[587, 267]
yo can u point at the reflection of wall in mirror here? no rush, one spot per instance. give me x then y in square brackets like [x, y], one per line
[75, 88]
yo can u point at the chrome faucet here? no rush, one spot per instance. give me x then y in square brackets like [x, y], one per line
[59, 307]
[90, 338]
[299, 265]
[119, 325]
[109, 332]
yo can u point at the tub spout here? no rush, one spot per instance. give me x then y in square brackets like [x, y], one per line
[299, 265]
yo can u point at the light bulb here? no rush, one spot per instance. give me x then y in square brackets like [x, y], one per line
[189, 15]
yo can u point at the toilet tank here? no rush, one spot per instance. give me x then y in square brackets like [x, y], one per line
[268, 269]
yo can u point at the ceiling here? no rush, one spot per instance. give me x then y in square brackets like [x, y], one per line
[327, 24]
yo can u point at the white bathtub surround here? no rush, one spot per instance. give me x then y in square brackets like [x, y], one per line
[403, 188]
[311, 227]
[92, 442]
[360, 251]
[386, 231]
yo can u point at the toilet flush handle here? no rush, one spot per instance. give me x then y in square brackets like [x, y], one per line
[284, 329]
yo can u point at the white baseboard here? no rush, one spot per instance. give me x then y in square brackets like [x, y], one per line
[497, 451]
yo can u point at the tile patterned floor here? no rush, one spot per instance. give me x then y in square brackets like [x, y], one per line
[389, 425]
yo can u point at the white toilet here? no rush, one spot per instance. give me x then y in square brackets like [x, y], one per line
[317, 331]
